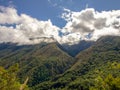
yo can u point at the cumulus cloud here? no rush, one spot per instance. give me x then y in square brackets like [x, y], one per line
[9, 34]
[87, 24]
[91, 24]
[27, 30]
[8, 15]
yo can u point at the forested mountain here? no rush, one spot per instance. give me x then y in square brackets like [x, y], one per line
[40, 62]
[49, 66]
[95, 67]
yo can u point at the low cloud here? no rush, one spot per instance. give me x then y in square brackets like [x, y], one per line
[87, 24]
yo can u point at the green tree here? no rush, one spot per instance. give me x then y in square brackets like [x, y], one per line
[8, 78]
[109, 82]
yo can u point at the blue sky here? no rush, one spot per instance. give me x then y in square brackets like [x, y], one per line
[52, 9]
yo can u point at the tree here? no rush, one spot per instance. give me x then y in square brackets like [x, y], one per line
[109, 82]
[8, 78]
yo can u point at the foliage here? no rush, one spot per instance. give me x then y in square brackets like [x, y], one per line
[8, 78]
[97, 68]
[50, 68]
[40, 62]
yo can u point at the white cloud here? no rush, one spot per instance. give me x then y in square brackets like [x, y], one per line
[8, 15]
[71, 39]
[9, 34]
[87, 24]
[27, 30]
[90, 22]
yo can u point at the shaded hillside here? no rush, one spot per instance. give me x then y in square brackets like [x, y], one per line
[73, 50]
[40, 62]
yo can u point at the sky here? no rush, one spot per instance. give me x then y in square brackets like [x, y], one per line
[67, 21]
[52, 9]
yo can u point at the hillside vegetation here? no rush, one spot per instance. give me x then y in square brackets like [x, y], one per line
[40, 62]
[49, 67]
[96, 68]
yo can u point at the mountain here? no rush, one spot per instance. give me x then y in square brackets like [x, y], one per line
[38, 62]
[94, 68]
[105, 49]
[73, 50]
[51, 66]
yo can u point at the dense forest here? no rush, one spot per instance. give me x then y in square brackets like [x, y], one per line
[52, 67]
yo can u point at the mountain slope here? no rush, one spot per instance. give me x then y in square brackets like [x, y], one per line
[73, 50]
[99, 62]
[38, 62]
[105, 49]
[49, 67]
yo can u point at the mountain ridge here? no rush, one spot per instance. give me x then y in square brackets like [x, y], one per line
[49, 64]
[32, 58]
[90, 63]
